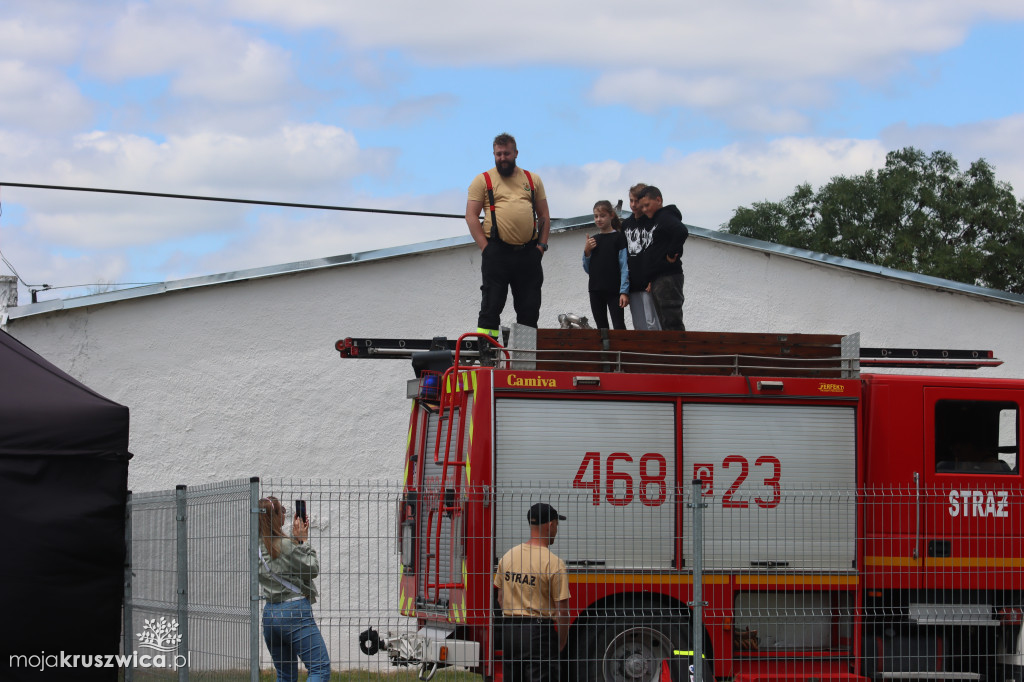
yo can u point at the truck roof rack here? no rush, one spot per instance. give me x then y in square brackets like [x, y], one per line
[671, 352]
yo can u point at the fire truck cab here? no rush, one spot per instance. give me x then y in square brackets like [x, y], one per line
[834, 524]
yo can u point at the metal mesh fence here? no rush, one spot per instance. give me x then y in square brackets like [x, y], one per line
[788, 582]
[352, 528]
[189, 593]
[152, 575]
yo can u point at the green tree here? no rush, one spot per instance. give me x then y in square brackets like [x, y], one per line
[919, 213]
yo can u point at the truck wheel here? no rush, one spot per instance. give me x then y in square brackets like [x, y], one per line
[629, 651]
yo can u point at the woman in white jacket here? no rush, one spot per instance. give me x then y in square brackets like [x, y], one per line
[288, 566]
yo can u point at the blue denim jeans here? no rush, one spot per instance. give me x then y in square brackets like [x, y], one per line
[291, 633]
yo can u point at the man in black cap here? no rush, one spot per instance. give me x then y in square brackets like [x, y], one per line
[533, 592]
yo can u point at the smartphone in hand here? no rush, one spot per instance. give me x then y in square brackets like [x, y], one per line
[300, 510]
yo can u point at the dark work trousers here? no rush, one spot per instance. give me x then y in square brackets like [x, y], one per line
[604, 302]
[529, 650]
[667, 291]
[502, 267]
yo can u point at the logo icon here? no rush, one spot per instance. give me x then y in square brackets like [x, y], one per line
[160, 635]
[706, 474]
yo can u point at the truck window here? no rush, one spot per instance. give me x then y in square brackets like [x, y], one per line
[976, 437]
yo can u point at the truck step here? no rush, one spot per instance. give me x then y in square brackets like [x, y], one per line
[963, 615]
[931, 676]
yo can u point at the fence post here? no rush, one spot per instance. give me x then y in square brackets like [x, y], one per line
[698, 604]
[127, 645]
[181, 519]
[254, 579]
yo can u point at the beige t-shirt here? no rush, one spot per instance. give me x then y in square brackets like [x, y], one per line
[512, 204]
[531, 579]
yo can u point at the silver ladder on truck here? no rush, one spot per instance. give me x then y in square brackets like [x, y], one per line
[477, 349]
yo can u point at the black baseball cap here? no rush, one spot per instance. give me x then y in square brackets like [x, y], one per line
[542, 513]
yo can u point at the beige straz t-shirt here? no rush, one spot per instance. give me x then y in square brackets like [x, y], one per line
[531, 579]
[512, 204]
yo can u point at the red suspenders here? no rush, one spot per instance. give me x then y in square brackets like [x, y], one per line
[490, 199]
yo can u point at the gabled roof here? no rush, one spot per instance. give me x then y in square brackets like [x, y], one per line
[557, 225]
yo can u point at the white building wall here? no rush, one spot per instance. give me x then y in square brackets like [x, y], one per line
[241, 378]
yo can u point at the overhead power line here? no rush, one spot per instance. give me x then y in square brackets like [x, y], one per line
[195, 197]
[254, 202]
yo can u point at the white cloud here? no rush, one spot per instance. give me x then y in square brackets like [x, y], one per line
[39, 98]
[199, 97]
[37, 262]
[709, 56]
[30, 40]
[405, 112]
[306, 156]
[280, 238]
[205, 57]
[144, 41]
[707, 186]
[758, 66]
[792, 39]
[298, 163]
[759, 106]
[1000, 142]
[257, 72]
[651, 89]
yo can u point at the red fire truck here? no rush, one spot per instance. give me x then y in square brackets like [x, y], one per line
[753, 497]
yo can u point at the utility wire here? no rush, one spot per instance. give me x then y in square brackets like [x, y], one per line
[194, 197]
[11, 265]
[256, 202]
[15, 272]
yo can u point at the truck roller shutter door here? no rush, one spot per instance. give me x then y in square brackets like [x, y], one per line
[782, 484]
[623, 519]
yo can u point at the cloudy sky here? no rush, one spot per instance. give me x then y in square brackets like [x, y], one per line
[394, 106]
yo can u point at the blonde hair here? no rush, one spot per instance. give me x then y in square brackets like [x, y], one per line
[271, 524]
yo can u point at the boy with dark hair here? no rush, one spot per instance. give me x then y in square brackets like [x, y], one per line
[663, 266]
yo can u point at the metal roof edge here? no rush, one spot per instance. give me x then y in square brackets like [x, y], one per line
[859, 266]
[557, 225]
[236, 276]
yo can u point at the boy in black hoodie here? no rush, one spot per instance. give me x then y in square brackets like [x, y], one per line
[663, 258]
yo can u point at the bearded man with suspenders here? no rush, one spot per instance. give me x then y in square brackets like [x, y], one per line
[512, 237]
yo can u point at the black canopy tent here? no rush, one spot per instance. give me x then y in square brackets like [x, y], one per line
[63, 489]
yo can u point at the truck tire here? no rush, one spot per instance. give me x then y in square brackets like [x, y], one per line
[629, 650]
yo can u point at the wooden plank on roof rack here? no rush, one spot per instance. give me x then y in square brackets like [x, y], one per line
[669, 352]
